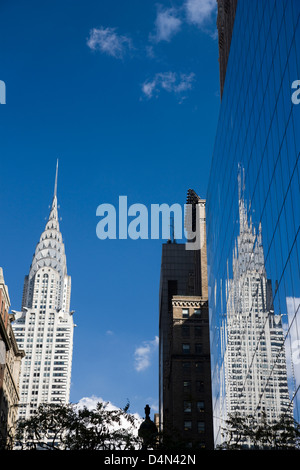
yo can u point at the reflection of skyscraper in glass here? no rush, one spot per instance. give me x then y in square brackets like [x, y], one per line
[258, 128]
[255, 363]
[44, 327]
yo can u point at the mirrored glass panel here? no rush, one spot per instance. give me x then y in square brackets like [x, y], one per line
[253, 218]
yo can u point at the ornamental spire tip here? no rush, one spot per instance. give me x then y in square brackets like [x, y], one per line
[55, 185]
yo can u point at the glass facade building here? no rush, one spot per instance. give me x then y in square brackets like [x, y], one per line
[253, 217]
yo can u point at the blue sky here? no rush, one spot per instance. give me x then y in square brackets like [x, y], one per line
[126, 96]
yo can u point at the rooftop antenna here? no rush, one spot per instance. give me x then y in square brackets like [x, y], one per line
[172, 229]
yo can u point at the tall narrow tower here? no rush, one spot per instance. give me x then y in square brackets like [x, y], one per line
[44, 327]
[185, 404]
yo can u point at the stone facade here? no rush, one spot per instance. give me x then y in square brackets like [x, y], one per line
[10, 363]
[189, 385]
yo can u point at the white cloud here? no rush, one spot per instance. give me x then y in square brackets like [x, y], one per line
[91, 403]
[200, 11]
[170, 82]
[109, 333]
[143, 353]
[167, 24]
[170, 20]
[108, 41]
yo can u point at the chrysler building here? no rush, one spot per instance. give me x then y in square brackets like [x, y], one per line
[255, 362]
[44, 327]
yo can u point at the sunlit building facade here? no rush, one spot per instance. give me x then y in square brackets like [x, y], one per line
[253, 217]
[44, 327]
[10, 364]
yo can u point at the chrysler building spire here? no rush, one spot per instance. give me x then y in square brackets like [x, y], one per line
[44, 327]
[50, 253]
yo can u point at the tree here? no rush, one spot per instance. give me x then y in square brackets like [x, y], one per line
[68, 427]
[244, 432]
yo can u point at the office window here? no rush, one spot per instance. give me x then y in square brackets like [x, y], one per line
[187, 407]
[200, 406]
[201, 427]
[187, 425]
[187, 386]
[186, 348]
[185, 313]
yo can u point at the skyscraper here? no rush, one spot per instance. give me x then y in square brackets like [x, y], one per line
[225, 22]
[252, 330]
[253, 241]
[44, 327]
[184, 359]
